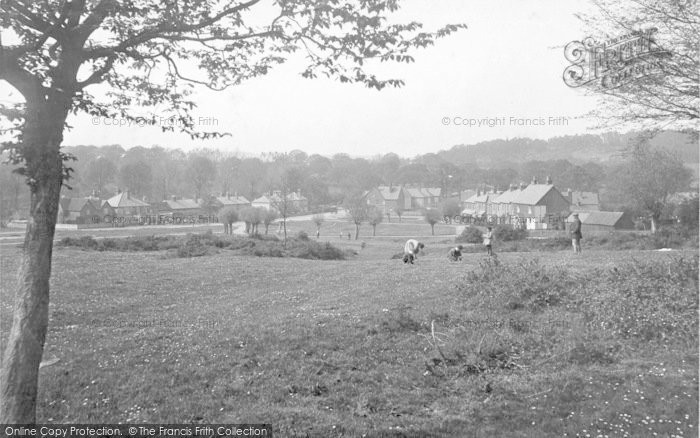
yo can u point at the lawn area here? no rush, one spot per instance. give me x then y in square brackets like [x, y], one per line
[331, 229]
[546, 344]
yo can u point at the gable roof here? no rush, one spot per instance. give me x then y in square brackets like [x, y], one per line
[507, 197]
[423, 192]
[532, 194]
[233, 200]
[387, 193]
[181, 204]
[123, 199]
[77, 204]
[484, 197]
[262, 200]
[608, 218]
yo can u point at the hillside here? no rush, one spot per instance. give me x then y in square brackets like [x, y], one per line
[575, 148]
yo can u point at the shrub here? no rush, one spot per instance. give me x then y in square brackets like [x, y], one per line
[302, 235]
[84, 242]
[471, 234]
[196, 245]
[505, 233]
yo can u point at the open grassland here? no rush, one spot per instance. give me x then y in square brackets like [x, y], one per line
[546, 344]
[332, 229]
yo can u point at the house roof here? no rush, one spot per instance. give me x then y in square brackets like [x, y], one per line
[275, 197]
[532, 194]
[584, 198]
[423, 192]
[484, 197]
[181, 204]
[233, 200]
[123, 199]
[262, 200]
[507, 197]
[608, 218]
[77, 204]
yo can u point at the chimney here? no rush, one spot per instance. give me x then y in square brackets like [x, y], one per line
[549, 179]
[534, 180]
[522, 185]
[173, 198]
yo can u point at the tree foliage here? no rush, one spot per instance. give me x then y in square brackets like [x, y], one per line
[228, 216]
[667, 97]
[375, 217]
[432, 216]
[647, 179]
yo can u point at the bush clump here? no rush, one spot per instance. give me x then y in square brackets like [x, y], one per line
[506, 233]
[470, 234]
[197, 245]
[645, 300]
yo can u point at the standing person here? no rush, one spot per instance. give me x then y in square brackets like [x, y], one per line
[575, 231]
[488, 240]
[411, 249]
[455, 253]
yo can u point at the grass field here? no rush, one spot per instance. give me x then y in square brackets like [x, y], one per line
[601, 344]
[331, 229]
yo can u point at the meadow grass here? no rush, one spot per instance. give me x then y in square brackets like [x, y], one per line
[552, 344]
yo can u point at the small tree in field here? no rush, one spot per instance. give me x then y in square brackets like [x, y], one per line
[432, 216]
[375, 217]
[269, 216]
[318, 219]
[357, 210]
[399, 212]
[228, 216]
[252, 216]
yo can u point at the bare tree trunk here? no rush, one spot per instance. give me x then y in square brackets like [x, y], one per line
[374, 230]
[357, 231]
[41, 140]
[432, 229]
[284, 225]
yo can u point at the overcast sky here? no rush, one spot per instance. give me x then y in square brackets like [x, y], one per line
[508, 65]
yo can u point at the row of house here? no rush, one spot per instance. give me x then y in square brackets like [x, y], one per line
[541, 206]
[533, 206]
[390, 198]
[123, 207]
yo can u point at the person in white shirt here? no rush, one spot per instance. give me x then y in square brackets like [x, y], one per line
[411, 250]
[488, 240]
